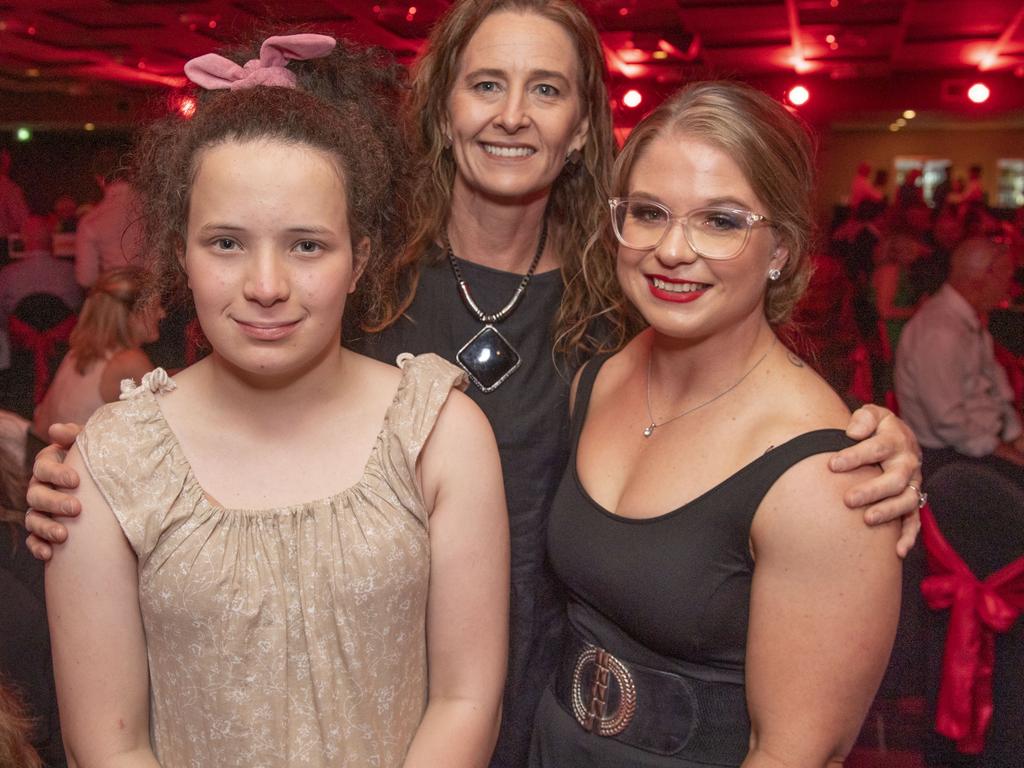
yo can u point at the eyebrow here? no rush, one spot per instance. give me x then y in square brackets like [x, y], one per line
[534, 74]
[300, 230]
[714, 202]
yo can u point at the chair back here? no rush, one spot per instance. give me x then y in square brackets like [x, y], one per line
[979, 513]
[39, 329]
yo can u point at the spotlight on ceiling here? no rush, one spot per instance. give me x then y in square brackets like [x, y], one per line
[187, 107]
[798, 95]
[23, 134]
[632, 98]
[978, 93]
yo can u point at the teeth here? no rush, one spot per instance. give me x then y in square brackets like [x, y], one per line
[677, 287]
[491, 149]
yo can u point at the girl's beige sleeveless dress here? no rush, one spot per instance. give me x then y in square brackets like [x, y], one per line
[277, 637]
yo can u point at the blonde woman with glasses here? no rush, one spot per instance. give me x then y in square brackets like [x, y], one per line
[724, 607]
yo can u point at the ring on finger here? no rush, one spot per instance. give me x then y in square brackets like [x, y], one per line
[922, 497]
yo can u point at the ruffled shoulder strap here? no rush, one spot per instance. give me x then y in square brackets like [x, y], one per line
[156, 381]
[129, 454]
[426, 382]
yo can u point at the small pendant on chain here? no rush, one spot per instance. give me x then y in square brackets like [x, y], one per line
[649, 430]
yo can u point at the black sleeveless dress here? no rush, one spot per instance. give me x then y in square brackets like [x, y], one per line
[670, 597]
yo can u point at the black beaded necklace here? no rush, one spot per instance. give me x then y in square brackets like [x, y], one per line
[488, 358]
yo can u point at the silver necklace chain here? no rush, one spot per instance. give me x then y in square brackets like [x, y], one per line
[501, 314]
[649, 429]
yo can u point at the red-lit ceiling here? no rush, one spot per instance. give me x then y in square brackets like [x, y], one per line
[65, 62]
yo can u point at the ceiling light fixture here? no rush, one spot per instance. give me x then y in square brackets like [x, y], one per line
[978, 93]
[798, 95]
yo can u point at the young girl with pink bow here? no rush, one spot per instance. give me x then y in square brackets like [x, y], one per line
[290, 554]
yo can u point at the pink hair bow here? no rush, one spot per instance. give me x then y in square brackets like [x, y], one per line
[213, 72]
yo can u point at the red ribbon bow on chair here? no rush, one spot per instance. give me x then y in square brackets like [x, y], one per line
[41, 344]
[979, 609]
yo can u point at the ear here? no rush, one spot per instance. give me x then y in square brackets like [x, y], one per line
[181, 266]
[360, 258]
[779, 258]
[446, 129]
[579, 136]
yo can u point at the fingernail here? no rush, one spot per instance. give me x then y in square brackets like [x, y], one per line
[67, 507]
[838, 464]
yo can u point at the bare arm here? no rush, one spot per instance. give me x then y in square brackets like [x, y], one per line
[99, 647]
[127, 364]
[49, 474]
[887, 441]
[467, 607]
[823, 611]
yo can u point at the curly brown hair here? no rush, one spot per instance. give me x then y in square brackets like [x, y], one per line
[775, 152]
[575, 208]
[345, 104]
[15, 727]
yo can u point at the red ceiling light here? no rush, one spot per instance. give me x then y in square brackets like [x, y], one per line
[978, 93]
[798, 95]
[623, 11]
[187, 107]
[632, 98]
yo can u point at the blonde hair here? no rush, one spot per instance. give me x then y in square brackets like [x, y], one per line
[13, 484]
[775, 152]
[104, 324]
[577, 197]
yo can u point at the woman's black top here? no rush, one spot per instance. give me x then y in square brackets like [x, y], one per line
[669, 593]
[529, 415]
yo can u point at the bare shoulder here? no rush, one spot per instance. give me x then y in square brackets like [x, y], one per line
[374, 371]
[460, 451]
[803, 515]
[461, 418]
[794, 399]
[128, 364]
[616, 369]
[805, 507]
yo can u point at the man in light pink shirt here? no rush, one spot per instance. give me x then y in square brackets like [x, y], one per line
[951, 390]
[13, 209]
[109, 235]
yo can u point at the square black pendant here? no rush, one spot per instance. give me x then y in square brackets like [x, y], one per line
[488, 358]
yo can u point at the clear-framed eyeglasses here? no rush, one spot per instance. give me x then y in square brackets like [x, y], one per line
[714, 232]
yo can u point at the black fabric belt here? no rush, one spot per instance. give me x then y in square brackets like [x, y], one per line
[657, 711]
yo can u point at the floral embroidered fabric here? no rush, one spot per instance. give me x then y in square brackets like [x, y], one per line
[277, 637]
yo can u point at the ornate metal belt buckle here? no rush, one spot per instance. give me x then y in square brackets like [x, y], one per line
[603, 692]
